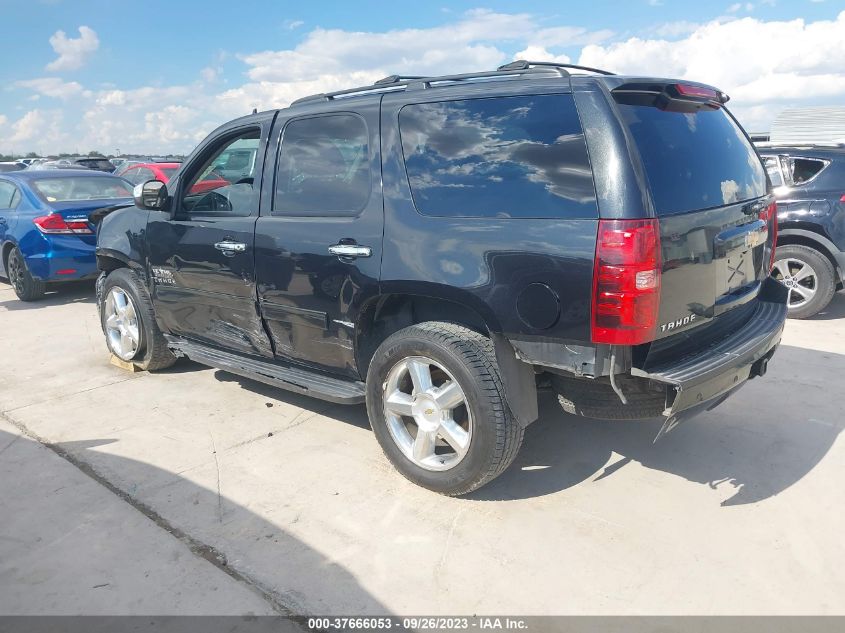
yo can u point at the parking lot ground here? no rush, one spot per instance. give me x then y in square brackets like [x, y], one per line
[736, 512]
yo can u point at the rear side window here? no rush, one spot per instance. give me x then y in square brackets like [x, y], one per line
[8, 195]
[508, 157]
[694, 160]
[804, 169]
[324, 167]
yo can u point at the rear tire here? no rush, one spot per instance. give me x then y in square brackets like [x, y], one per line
[596, 399]
[793, 260]
[150, 352]
[414, 367]
[26, 287]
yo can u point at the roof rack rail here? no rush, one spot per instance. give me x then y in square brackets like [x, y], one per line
[522, 64]
[392, 79]
[819, 144]
[397, 82]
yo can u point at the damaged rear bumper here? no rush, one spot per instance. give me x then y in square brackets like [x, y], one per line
[704, 380]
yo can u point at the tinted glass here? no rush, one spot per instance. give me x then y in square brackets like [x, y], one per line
[694, 160]
[7, 193]
[510, 157]
[145, 174]
[168, 171]
[324, 166]
[83, 188]
[804, 169]
[233, 194]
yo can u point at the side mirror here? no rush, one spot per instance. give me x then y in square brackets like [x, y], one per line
[151, 195]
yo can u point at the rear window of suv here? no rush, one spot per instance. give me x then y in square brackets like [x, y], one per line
[508, 157]
[694, 160]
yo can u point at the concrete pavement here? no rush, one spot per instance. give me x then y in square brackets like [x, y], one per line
[736, 512]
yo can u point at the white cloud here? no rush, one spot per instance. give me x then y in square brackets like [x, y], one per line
[54, 87]
[41, 130]
[736, 56]
[292, 25]
[73, 52]
[540, 54]
[675, 29]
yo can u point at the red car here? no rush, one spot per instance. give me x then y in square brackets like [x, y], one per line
[137, 174]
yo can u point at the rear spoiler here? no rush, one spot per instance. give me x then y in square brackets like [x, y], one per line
[682, 97]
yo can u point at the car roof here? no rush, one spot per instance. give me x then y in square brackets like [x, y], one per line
[28, 175]
[170, 165]
[805, 149]
[505, 79]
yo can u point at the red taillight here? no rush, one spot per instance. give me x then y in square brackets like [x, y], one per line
[842, 199]
[688, 90]
[626, 282]
[767, 214]
[56, 224]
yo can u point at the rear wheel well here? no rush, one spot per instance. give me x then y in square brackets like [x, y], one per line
[108, 264]
[390, 313]
[809, 242]
[4, 255]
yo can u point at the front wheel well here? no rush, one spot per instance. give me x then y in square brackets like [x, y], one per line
[388, 314]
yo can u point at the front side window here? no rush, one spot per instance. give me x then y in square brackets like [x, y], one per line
[508, 157]
[324, 167]
[81, 188]
[231, 192]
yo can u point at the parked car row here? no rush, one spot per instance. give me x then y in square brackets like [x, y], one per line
[809, 184]
[440, 248]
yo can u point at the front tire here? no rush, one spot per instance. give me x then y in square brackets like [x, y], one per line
[26, 287]
[809, 276]
[437, 407]
[128, 321]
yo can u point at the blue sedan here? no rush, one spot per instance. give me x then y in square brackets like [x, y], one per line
[45, 232]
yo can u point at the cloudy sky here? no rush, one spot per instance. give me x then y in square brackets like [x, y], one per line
[156, 77]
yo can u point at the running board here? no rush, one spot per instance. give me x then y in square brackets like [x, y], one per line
[287, 377]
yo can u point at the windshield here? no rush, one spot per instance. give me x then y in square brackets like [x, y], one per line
[168, 171]
[83, 188]
[694, 160]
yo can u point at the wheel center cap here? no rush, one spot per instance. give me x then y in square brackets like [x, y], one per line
[426, 411]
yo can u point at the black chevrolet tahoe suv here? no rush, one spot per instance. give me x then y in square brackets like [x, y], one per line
[438, 247]
[809, 185]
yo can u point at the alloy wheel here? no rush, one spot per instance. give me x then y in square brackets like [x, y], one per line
[122, 327]
[799, 277]
[427, 413]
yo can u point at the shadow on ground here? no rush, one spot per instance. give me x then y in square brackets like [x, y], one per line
[761, 454]
[57, 294]
[207, 512]
[755, 446]
[834, 310]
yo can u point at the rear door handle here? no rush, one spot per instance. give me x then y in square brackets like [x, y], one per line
[350, 250]
[229, 248]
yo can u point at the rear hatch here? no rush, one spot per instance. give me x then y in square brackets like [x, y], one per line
[709, 194]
